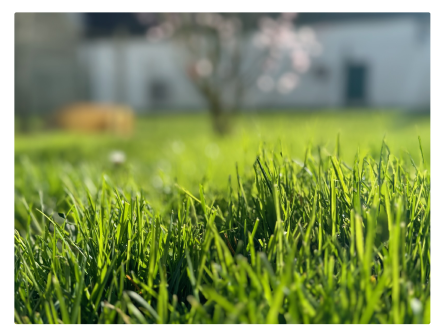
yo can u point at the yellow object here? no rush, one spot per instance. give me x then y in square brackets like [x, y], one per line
[96, 117]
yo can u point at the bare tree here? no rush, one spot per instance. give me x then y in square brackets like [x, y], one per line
[228, 54]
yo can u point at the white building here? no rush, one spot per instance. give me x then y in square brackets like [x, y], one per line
[381, 63]
[143, 74]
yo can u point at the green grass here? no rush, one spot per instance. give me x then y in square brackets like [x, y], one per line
[307, 227]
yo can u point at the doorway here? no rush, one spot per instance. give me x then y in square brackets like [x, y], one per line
[356, 81]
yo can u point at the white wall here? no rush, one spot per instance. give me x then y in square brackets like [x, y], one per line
[141, 62]
[396, 52]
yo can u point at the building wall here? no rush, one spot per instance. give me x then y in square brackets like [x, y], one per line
[394, 52]
[143, 74]
[54, 66]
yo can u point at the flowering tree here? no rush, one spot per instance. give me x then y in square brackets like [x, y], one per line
[229, 54]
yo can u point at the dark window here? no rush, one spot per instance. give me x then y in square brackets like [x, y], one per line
[321, 72]
[356, 93]
[159, 91]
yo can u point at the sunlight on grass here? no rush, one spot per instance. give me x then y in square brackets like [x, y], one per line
[294, 218]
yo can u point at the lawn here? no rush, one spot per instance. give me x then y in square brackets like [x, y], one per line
[303, 218]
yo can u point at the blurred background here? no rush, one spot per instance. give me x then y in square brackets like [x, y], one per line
[176, 62]
[157, 98]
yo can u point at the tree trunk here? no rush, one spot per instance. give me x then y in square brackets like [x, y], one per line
[220, 119]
